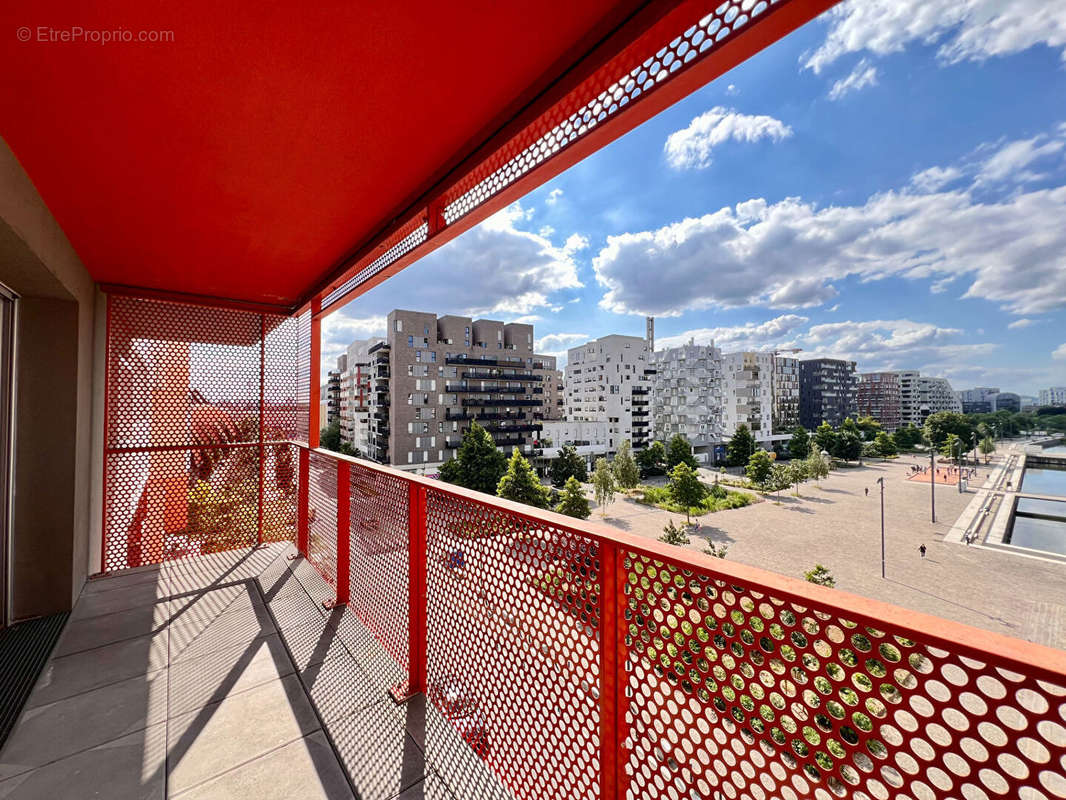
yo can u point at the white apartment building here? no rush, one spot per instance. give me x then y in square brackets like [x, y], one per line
[1055, 396]
[921, 396]
[609, 379]
[355, 394]
[687, 397]
[590, 439]
[747, 385]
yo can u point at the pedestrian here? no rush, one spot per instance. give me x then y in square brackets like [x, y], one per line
[922, 550]
[867, 490]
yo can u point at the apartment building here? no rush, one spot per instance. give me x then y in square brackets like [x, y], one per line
[333, 392]
[590, 439]
[878, 395]
[686, 397]
[747, 394]
[1053, 396]
[554, 400]
[921, 396]
[828, 390]
[355, 394]
[786, 394]
[610, 379]
[979, 400]
[433, 376]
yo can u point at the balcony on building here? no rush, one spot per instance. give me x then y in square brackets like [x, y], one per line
[209, 604]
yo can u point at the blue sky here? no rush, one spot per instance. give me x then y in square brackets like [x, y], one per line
[887, 184]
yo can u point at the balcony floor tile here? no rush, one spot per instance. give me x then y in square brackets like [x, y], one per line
[127, 768]
[306, 768]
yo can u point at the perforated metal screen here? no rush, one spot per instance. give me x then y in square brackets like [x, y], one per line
[198, 402]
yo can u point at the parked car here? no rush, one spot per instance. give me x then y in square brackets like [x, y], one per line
[460, 706]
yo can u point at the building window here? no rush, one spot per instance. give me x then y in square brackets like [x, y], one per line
[399, 326]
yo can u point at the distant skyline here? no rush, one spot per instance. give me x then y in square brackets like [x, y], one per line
[883, 185]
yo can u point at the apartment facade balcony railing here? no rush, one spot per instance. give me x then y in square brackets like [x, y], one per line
[498, 403]
[496, 375]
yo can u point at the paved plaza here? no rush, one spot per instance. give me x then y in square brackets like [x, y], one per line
[839, 526]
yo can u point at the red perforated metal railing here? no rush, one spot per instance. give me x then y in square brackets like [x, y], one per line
[602, 665]
[201, 404]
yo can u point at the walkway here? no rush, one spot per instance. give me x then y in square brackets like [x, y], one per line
[222, 677]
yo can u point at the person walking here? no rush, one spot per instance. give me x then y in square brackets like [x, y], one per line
[867, 490]
[922, 550]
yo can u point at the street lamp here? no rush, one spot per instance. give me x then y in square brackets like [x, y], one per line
[882, 482]
[932, 480]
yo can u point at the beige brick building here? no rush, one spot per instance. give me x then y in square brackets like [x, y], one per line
[434, 376]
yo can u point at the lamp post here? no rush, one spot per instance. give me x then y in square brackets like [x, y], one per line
[932, 480]
[882, 482]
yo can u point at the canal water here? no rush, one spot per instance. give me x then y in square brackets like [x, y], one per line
[1041, 524]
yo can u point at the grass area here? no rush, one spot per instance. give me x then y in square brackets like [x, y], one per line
[659, 496]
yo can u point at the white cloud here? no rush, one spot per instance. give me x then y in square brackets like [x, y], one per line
[1012, 160]
[788, 253]
[1059, 353]
[560, 342]
[339, 330]
[527, 319]
[862, 76]
[547, 231]
[929, 180]
[553, 197]
[575, 243]
[692, 146]
[750, 336]
[732, 90]
[966, 30]
[1024, 322]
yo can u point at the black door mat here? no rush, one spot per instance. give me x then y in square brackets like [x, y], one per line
[24, 650]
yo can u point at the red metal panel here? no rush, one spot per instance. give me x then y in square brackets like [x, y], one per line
[514, 617]
[195, 458]
[344, 532]
[380, 566]
[303, 509]
[322, 515]
[303, 378]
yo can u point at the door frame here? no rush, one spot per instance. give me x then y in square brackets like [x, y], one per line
[8, 351]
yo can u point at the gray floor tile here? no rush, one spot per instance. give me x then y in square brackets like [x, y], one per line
[381, 759]
[432, 788]
[306, 769]
[289, 602]
[311, 639]
[48, 733]
[210, 627]
[124, 580]
[97, 604]
[205, 743]
[127, 768]
[234, 565]
[90, 669]
[85, 634]
[211, 678]
[339, 687]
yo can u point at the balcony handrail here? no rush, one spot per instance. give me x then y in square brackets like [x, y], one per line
[1029, 658]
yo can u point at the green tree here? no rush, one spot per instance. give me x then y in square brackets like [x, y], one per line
[820, 575]
[848, 446]
[759, 468]
[652, 460]
[850, 426]
[574, 502]
[679, 451]
[987, 447]
[672, 534]
[942, 423]
[740, 447]
[603, 484]
[686, 489]
[716, 550]
[568, 464]
[626, 471]
[825, 438]
[330, 437]
[885, 444]
[478, 465]
[800, 443]
[983, 430]
[870, 427]
[780, 477]
[816, 466]
[797, 475]
[520, 483]
[952, 447]
[907, 437]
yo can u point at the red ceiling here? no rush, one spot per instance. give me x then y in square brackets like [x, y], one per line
[244, 159]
